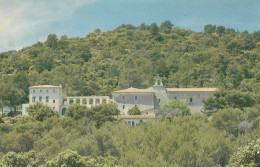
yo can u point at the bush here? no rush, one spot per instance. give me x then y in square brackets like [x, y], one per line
[134, 111]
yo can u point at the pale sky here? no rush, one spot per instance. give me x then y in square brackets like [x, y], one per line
[25, 22]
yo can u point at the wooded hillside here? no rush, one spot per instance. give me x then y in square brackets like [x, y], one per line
[133, 56]
[226, 134]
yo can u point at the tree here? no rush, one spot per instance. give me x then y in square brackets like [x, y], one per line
[229, 98]
[41, 111]
[67, 158]
[11, 95]
[181, 105]
[248, 155]
[1, 120]
[104, 113]
[209, 29]
[154, 30]
[77, 111]
[221, 30]
[134, 111]
[52, 41]
[228, 120]
[19, 159]
[45, 61]
[86, 55]
[166, 26]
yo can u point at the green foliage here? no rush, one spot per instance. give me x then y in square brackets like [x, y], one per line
[67, 158]
[178, 105]
[154, 29]
[131, 56]
[248, 155]
[70, 158]
[1, 120]
[228, 120]
[166, 26]
[41, 111]
[18, 160]
[52, 41]
[134, 111]
[100, 114]
[77, 111]
[230, 98]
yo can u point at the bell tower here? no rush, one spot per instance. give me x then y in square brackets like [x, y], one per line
[160, 92]
[158, 82]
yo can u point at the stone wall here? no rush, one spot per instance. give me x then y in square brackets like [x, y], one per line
[126, 101]
[193, 99]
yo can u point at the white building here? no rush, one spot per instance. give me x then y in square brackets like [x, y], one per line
[53, 97]
[47, 94]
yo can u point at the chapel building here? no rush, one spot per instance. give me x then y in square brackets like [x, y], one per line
[149, 100]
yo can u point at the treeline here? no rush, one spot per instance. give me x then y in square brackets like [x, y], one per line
[134, 56]
[229, 137]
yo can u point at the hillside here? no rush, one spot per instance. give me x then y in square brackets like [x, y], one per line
[133, 56]
[128, 56]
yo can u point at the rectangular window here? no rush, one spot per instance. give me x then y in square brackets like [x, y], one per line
[190, 100]
[33, 91]
[47, 99]
[53, 90]
[123, 106]
[135, 97]
[33, 99]
[40, 98]
[123, 98]
[40, 91]
[133, 123]
[53, 108]
[53, 101]
[47, 91]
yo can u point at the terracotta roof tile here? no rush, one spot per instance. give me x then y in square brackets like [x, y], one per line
[133, 90]
[191, 89]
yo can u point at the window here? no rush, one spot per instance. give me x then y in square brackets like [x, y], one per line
[133, 123]
[53, 108]
[135, 97]
[40, 98]
[47, 99]
[33, 91]
[159, 100]
[190, 100]
[33, 99]
[123, 106]
[53, 101]
[53, 90]
[123, 98]
[47, 91]
[40, 91]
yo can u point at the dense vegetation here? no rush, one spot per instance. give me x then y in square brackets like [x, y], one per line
[133, 56]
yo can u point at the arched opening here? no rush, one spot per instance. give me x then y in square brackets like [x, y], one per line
[97, 101]
[91, 101]
[84, 101]
[71, 102]
[63, 111]
[104, 101]
[78, 101]
[65, 102]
